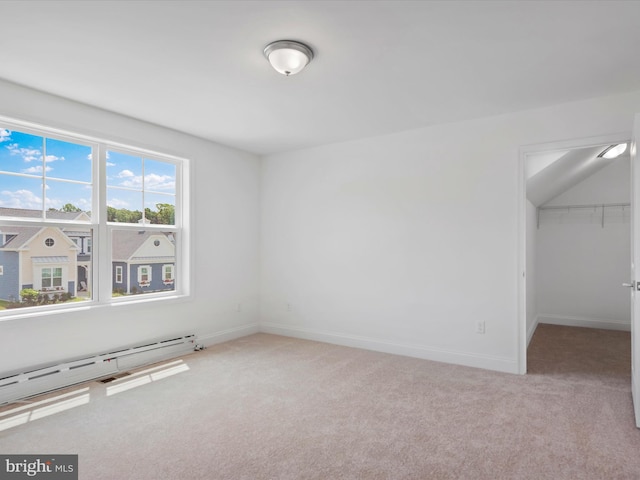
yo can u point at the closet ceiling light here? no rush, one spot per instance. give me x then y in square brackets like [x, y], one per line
[614, 151]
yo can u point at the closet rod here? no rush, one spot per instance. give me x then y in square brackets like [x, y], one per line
[595, 205]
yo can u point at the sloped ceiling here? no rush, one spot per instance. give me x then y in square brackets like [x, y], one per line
[563, 170]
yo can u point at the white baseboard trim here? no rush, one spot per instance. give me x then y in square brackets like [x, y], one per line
[226, 335]
[532, 329]
[489, 362]
[584, 322]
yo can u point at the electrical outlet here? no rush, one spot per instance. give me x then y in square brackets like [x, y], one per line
[480, 326]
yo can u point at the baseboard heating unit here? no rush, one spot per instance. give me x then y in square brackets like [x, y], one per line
[41, 380]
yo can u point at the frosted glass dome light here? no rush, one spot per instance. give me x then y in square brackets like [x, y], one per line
[287, 56]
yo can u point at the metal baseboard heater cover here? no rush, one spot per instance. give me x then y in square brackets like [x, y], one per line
[42, 380]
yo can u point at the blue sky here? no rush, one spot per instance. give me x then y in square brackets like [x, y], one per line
[68, 170]
[125, 182]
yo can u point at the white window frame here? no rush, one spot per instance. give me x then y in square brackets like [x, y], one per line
[100, 241]
[149, 275]
[119, 275]
[52, 287]
[172, 277]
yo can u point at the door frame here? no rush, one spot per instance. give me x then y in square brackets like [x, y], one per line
[524, 152]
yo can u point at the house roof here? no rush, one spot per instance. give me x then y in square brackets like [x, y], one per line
[22, 236]
[126, 243]
[31, 213]
[50, 259]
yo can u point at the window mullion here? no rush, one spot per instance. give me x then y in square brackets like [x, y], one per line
[43, 178]
[101, 248]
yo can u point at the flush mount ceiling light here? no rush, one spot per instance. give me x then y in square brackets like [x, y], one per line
[287, 56]
[613, 151]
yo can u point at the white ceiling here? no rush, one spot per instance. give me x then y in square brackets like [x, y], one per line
[380, 66]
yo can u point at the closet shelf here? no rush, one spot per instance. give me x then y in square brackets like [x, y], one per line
[599, 208]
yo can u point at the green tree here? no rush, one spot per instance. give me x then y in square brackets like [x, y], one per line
[150, 216]
[166, 214]
[128, 216]
[111, 214]
[68, 207]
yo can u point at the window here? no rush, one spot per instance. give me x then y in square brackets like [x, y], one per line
[144, 275]
[59, 192]
[167, 274]
[51, 277]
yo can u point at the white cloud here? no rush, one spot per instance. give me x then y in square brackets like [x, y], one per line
[126, 174]
[109, 164]
[20, 199]
[83, 204]
[4, 135]
[151, 182]
[36, 169]
[52, 158]
[27, 154]
[133, 182]
[159, 182]
[117, 203]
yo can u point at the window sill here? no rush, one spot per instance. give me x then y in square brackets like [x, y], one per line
[84, 307]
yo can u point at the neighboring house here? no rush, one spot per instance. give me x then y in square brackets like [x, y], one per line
[42, 258]
[57, 260]
[143, 261]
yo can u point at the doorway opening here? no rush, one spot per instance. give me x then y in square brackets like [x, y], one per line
[575, 238]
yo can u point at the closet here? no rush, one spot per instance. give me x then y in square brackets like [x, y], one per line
[578, 239]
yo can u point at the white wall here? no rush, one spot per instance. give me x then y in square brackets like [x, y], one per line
[402, 243]
[225, 186]
[581, 265]
[531, 276]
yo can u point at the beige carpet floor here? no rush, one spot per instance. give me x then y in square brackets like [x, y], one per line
[270, 407]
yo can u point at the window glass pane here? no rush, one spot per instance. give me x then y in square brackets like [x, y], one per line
[124, 170]
[21, 193]
[68, 161]
[144, 257]
[160, 209]
[20, 152]
[67, 201]
[159, 176]
[124, 206]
